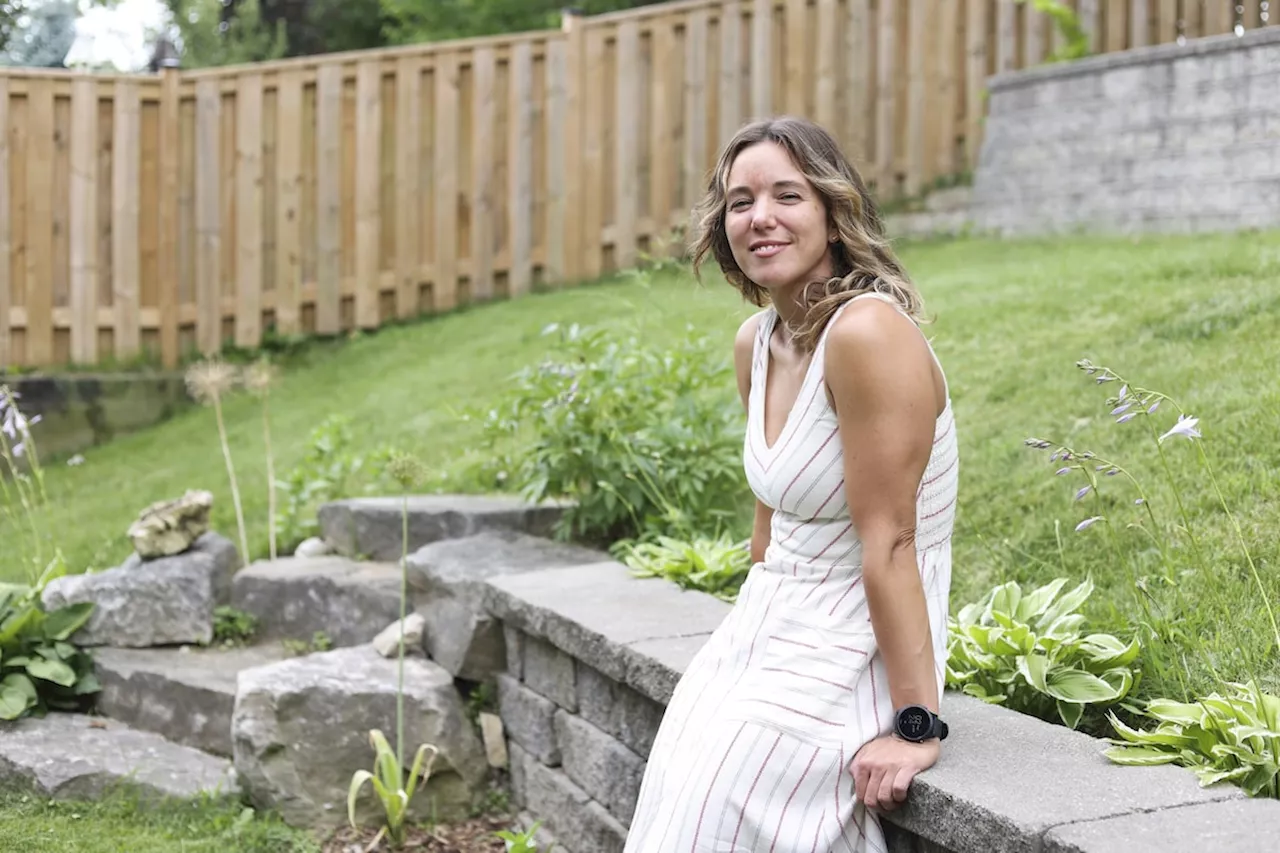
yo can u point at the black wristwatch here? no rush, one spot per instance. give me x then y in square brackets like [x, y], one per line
[917, 723]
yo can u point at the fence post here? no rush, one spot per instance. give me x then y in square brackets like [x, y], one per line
[571, 23]
[170, 158]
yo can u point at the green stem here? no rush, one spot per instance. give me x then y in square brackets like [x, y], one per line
[1177, 496]
[271, 478]
[231, 474]
[404, 571]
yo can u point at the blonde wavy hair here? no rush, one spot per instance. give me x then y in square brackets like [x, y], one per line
[862, 259]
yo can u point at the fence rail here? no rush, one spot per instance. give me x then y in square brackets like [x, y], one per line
[161, 215]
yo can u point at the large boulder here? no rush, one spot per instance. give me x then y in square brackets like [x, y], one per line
[300, 730]
[449, 576]
[165, 601]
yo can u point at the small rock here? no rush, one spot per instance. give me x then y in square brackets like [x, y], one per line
[495, 742]
[313, 547]
[170, 527]
[388, 642]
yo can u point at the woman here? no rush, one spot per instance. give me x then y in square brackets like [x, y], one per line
[814, 703]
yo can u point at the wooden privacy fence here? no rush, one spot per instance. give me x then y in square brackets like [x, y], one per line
[163, 215]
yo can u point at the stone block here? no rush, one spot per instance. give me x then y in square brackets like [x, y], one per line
[371, 528]
[618, 709]
[76, 757]
[599, 764]
[529, 720]
[569, 812]
[185, 694]
[960, 804]
[1234, 826]
[301, 727]
[606, 618]
[550, 672]
[164, 601]
[513, 640]
[294, 597]
[449, 577]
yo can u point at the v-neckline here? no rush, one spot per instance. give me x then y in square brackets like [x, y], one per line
[767, 359]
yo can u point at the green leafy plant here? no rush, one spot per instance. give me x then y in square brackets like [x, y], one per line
[40, 668]
[332, 467]
[393, 790]
[1075, 39]
[232, 627]
[523, 842]
[1026, 651]
[1230, 736]
[640, 440]
[716, 565]
[22, 491]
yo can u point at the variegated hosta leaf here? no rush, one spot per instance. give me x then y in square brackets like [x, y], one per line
[1004, 601]
[1175, 712]
[1070, 712]
[1159, 737]
[1034, 603]
[1065, 627]
[1140, 756]
[1034, 669]
[1076, 685]
[1104, 651]
[1066, 604]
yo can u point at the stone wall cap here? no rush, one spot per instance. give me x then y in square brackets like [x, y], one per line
[1229, 826]
[1137, 56]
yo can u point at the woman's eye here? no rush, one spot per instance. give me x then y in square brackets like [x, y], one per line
[739, 204]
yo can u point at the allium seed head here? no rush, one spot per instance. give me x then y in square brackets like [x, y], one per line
[406, 469]
[208, 380]
[259, 377]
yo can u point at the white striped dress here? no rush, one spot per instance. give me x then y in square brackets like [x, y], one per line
[754, 749]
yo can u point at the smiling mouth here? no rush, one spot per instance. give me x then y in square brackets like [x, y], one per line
[766, 249]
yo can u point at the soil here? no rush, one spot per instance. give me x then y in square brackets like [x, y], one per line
[472, 836]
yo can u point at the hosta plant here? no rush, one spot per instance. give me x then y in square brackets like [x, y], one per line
[1027, 651]
[716, 565]
[1232, 736]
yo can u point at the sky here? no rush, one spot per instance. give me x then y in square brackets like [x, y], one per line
[119, 35]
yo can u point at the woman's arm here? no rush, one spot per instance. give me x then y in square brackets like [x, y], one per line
[882, 381]
[743, 352]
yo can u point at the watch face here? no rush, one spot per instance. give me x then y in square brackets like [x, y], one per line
[914, 723]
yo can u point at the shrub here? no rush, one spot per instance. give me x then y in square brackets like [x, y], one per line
[1028, 652]
[641, 441]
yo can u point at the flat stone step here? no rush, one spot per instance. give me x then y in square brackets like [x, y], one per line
[294, 597]
[371, 528]
[78, 757]
[184, 694]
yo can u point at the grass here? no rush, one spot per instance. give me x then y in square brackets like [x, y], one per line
[120, 824]
[1195, 318]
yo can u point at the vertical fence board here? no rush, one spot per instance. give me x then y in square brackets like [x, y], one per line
[859, 54]
[520, 211]
[329, 199]
[729, 99]
[976, 52]
[593, 156]
[83, 236]
[761, 58]
[368, 207]
[695, 105]
[886, 94]
[445, 279]
[484, 155]
[662, 116]
[6, 244]
[557, 170]
[408, 179]
[208, 217]
[248, 192]
[288, 291]
[626, 154]
[917, 93]
[828, 35]
[170, 229]
[39, 258]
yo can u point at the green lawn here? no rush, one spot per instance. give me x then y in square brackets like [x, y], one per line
[1196, 318]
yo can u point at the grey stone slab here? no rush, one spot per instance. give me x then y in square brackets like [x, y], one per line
[371, 528]
[618, 709]
[570, 812]
[77, 757]
[529, 720]
[594, 612]
[185, 694]
[513, 640]
[294, 597]
[156, 602]
[974, 800]
[301, 728]
[449, 577]
[654, 666]
[599, 764]
[550, 672]
[1233, 826]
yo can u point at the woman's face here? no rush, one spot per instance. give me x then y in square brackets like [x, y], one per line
[775, 220]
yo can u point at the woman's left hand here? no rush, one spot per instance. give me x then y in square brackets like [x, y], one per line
[883, 769]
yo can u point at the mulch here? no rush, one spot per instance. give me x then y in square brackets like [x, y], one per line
[472, 836]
